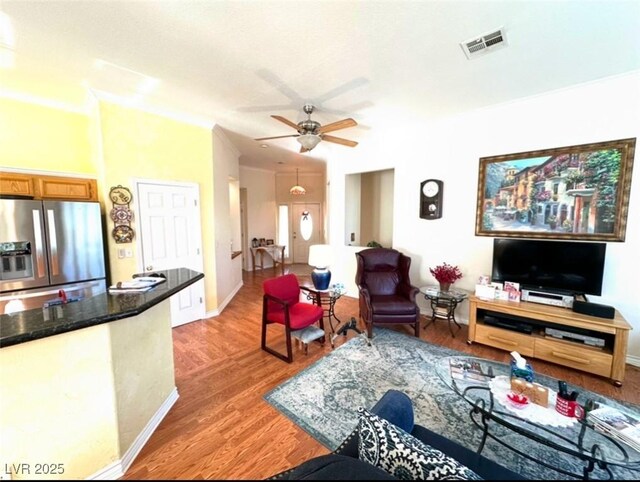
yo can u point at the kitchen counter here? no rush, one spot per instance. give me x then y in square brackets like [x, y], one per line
[84, 385]
[32, 325]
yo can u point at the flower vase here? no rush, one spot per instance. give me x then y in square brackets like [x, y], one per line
[445, 286]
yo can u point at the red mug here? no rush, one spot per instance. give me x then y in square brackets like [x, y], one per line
[569, 408]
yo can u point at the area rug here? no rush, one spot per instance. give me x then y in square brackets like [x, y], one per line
[323, 400]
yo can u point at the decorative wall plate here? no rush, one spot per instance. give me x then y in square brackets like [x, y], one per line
[120, 195]
[122, 234]
[121, 214]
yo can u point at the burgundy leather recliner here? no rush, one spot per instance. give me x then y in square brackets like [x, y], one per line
[386, 293]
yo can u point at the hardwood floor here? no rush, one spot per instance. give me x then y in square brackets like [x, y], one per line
[221, 428]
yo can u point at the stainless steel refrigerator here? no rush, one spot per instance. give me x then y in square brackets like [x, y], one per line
[46, 246]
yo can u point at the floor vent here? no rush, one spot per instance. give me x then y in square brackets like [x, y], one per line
[484, 44]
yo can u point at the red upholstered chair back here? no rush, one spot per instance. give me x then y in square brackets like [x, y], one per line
[285, 288]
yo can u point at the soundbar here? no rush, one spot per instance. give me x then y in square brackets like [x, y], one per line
[594, 309]
[547, 298]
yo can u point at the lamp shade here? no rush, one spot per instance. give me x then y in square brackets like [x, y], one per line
[297, 190]
[320, 255]
[309, 141]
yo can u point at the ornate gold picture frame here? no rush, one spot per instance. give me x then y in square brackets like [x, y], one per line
[576, 192]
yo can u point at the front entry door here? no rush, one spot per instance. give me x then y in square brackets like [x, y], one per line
[170, 237]
[307, 221]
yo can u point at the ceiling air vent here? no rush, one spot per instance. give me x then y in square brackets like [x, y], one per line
[484, 44]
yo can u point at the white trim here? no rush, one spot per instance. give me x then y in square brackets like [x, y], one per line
[43, 101]
[20, 170]
[143, 437]
[225, 140]
[113, 471]
[633, 360]
[226, 301]
[251, 168]
[308, 174]
[135, 104]
[118, 468]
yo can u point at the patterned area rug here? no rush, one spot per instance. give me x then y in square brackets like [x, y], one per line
[323, 400]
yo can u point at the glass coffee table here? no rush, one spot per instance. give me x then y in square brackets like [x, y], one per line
[484, 384]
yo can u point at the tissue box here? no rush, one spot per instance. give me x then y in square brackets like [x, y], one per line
[525, 373]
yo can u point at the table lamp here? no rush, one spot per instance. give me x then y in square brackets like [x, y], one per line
[320, 257]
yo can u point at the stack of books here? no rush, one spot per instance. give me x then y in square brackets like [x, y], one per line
[470, 370]
[621, 426]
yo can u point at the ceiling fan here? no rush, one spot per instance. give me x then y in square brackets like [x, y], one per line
[310, 132]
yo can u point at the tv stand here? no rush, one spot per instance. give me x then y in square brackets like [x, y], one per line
[608, 361]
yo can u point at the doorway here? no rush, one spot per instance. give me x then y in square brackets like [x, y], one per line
[170, 237]
[306, 229]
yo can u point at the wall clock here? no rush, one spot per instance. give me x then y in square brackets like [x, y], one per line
[431, 199]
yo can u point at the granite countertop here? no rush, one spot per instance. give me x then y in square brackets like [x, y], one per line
[31, 325]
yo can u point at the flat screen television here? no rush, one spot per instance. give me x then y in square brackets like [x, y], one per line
[560, 266]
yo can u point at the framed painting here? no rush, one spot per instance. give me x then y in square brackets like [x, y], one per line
[576, 192]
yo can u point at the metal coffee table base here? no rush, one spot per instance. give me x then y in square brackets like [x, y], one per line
[589, 456]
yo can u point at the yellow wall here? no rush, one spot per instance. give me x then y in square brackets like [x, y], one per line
[81, 399]
[138, 144]
[114, 144]
[57, 403]
[143, 370]
[34, 136]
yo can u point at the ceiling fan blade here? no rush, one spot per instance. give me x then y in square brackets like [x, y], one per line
[286, 121]
[276, 137]
[334, 126]
[340, 140]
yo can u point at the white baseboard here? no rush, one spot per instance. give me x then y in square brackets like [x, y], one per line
[226, 301]
[633, 360]
[118, 468]
[113, 471]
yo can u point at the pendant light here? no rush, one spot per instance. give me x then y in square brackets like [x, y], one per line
[297, 190]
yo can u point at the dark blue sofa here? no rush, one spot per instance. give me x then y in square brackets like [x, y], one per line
[396, 407]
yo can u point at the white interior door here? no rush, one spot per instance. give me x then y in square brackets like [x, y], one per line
[305, 217]
[170, 237]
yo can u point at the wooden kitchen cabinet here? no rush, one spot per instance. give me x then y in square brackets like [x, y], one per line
[69, 188]
[48, 187]
[16, 184]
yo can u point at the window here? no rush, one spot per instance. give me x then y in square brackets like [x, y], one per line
[283, 228]
[306, 225]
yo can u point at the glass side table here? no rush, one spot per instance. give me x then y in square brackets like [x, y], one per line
[326, 299]
[443, 304]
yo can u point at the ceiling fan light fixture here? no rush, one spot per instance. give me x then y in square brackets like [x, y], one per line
[297, 190]
[309, 141]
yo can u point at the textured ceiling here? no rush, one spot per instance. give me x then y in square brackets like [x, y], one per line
[386, 64]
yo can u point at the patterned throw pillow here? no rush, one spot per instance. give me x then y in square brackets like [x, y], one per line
[400, 454]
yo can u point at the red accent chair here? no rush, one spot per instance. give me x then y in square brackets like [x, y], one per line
[386, 293]
[281, 304]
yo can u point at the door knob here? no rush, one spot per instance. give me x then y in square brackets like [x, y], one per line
[149, 268]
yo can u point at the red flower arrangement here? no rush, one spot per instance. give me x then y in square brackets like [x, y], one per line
[445, 273]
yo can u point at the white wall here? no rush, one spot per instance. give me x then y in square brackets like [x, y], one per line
[226, 218]
[261, 206]
[450, 150]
